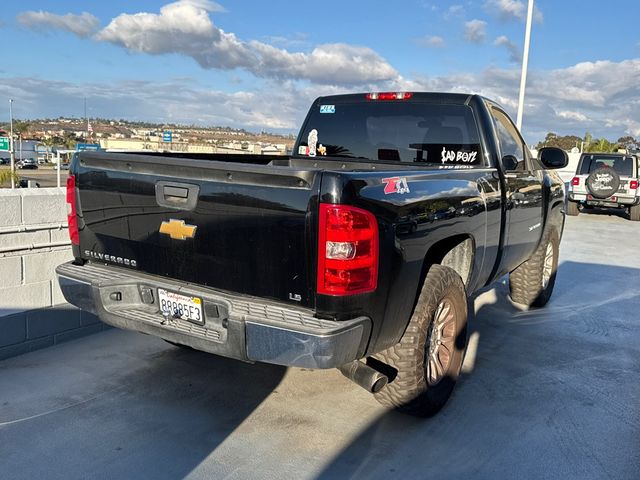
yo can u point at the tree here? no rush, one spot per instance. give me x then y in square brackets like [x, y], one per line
[627, 139]
[48, 142]
[20, 128]
[627, 142]
[566, 142]
[601, 145]
[70, 140]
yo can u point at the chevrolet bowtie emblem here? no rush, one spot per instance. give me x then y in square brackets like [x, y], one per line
[177, 229]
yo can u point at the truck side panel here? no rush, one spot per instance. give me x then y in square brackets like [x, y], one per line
[440, 205]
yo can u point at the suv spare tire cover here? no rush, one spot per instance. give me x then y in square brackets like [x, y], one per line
[603, 182]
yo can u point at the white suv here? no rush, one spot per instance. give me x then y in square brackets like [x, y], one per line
[608, 180]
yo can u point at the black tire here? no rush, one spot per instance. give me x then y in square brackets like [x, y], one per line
[572, 208]
[634, 213]
[413, 390]
[530, 284]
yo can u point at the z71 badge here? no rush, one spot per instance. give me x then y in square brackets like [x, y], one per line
[395, 185]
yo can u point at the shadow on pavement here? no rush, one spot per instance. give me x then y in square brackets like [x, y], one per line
[552, 393]
[161, 420]
[609, 212]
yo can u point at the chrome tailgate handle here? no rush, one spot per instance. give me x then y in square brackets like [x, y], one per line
[177, 196]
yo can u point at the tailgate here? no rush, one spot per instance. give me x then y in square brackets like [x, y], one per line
[254, 224]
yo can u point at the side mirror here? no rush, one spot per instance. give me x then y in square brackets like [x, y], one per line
[509, 163]
[553, 157]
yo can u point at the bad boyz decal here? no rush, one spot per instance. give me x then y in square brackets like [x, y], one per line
[460, 156]
[448, 155]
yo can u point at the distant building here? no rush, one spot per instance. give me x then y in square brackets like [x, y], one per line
[27, 149]
[271, 150]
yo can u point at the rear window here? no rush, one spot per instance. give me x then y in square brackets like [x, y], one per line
[623, 165]
[392, 131]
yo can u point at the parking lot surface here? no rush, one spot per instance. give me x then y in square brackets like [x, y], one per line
[552, 393]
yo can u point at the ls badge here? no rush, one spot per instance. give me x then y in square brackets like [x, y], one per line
[178, 230]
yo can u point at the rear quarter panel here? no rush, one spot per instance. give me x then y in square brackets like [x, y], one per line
[440, 204]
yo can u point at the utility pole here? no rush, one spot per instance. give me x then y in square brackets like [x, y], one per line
[525, 64]
[12, 153]
[86, 120]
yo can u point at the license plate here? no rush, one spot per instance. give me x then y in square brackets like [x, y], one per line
[180, 306]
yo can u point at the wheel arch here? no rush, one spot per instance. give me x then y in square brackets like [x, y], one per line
[456, 252]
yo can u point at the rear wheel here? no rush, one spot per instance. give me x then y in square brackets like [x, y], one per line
[532, 283]
[429, 355]
[634, 213]
[572, 208]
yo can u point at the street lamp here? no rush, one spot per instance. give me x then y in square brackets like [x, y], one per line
[11, 152]
[525, 63]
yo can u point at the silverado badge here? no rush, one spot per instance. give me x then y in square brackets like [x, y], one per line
[178, 230]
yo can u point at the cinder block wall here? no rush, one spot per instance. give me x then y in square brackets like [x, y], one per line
[33, 241]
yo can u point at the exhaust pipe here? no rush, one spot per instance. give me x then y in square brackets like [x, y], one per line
[365, 376]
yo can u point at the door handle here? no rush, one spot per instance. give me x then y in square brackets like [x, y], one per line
[177, 192]
[177, 196]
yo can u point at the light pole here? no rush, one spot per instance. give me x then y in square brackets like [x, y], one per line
[11, 152]
[525, 63]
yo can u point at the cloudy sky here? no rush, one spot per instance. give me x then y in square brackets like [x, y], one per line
[259, 65]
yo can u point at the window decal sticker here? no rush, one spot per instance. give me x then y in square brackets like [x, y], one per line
[457, 156]
[395, 185]
[448, 153]
[312, 141]
[327, 109]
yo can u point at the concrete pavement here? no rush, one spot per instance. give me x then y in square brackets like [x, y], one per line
[553, 393]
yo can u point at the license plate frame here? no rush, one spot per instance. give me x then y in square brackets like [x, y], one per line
[188, 307]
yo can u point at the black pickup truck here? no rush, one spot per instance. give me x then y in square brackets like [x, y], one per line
[358, 251]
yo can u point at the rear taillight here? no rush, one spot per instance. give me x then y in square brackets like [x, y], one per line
[347, 250]
[633, 185]
[575, 181]
[72, 219]
[389, 96]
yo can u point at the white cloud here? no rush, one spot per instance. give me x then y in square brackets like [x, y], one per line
[185, 27]
[515, 55]
[83, 25]
[181, 27]
[431, 41]
[183, 101]
[475, 31]
[606, 93]
[512, 10]
[329, 64]
[293, 40]
[570, 115]
[600, 97]
[453, 11]
[208, 5]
